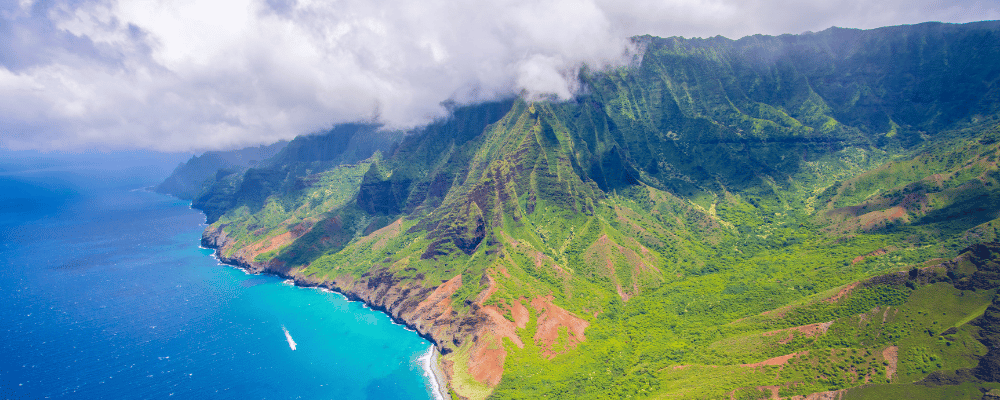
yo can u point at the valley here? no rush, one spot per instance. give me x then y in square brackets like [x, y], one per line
[799, 216]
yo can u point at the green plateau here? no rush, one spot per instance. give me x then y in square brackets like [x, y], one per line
[801, 216]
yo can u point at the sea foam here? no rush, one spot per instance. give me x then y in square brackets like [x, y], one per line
[426, 361]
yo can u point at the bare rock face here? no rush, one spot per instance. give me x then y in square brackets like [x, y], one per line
[428, 310]
[425, 310]
[215, 237]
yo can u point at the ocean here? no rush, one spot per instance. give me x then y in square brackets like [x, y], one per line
[107, 295]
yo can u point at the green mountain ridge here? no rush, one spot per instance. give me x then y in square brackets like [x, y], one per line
[190, 177]
[753, 218]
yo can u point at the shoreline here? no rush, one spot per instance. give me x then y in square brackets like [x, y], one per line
[437, 380]
[432, 370]
[299, 282]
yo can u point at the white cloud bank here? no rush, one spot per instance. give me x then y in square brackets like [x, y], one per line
[180, 75]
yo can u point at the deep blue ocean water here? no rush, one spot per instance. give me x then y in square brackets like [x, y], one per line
[106, 295]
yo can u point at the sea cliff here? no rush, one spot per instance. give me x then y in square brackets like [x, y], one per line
[682, 228]
[423, 310]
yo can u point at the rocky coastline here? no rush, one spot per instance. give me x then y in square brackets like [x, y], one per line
[217, 240]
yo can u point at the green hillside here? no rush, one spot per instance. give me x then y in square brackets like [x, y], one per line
[190, 178]
[765, 217]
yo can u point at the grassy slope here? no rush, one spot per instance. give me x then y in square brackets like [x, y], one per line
[677, 202]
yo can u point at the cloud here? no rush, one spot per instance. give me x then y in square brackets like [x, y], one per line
[183, 75]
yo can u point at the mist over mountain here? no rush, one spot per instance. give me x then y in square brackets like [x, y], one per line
[189, 178]
[195, 76]
[793, 215]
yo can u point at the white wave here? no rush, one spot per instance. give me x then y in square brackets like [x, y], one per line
[288, 336]
[405, 327]
[426, 361]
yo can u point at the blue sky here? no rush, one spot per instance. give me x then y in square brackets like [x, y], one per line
[189, 75]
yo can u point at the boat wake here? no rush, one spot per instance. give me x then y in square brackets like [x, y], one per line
[288, 336]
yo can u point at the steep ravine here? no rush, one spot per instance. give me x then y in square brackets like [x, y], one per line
[711, 194]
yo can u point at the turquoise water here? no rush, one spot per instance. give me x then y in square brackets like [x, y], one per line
[108, 295]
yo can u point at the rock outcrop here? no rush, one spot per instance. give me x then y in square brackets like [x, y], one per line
[426, 308]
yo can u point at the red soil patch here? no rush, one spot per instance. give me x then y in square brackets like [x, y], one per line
[937, 179]
[485, 295]
[440, 300]
[550, 318]
[252, 251]
[890, 354]
[776, 361]
[605, 252]
[886, 210]
[684, 366]
[875, 253]
[520, 314]
[267, 245]
[778, 312]
[877, 218]
[486, 364]
[811, 330]
[541, 260]
[385, 234]
[501, 327]
[832, 395]
[496, 324]
[843, 292]
[488, 354]
[601, 250]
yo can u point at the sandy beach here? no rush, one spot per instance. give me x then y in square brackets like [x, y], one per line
[433, 371]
